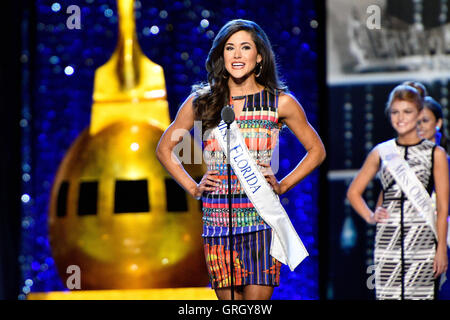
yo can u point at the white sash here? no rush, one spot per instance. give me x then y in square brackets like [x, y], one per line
[286, 245]
[408, 182]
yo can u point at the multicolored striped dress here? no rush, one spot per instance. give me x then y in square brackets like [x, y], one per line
[259, 126]
[405, 245]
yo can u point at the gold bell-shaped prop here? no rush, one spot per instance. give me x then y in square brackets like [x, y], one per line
[115, 213]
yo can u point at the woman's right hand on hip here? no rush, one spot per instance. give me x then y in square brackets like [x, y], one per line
[380, 215]
[209, 182]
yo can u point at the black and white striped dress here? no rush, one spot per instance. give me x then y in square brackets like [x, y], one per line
[405, 245]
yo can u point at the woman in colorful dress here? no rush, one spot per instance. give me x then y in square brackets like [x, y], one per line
[241, 72]
[408, 257]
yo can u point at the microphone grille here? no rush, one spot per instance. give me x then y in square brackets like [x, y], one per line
[227, 114]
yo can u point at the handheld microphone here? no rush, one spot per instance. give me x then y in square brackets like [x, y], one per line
[227, 114]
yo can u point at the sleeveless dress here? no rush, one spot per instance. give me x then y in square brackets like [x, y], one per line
[405, 245]
[258, 124]
[444, 291]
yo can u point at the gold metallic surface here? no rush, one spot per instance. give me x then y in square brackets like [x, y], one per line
[129, 86]
[155, 249]
[143, 294]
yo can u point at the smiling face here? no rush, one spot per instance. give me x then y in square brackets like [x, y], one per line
[240, 55]
[426, 126]
[404, 116]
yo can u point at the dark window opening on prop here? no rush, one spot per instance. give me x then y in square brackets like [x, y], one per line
[131, 196]
[175, 196]
[87, 198]
[61, 201]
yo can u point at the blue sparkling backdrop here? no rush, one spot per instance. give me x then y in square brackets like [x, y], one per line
[177, 35]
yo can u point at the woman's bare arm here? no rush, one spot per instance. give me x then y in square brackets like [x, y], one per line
[441, 181]
[184, 121]
[359, 185]
[292, 114]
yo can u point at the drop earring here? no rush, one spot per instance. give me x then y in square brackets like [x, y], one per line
[259, 67]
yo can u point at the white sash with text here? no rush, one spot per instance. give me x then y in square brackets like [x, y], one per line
[286, 245]
[408, 182]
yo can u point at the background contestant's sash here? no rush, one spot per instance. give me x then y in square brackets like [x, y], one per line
[408, 182]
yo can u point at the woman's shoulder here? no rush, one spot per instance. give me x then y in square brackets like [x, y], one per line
[284, 95]
[438, 150]
[287, 99]
[288, 106]
[189, 100]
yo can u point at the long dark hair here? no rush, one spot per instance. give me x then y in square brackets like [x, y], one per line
[436, 108]
[210, 97]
